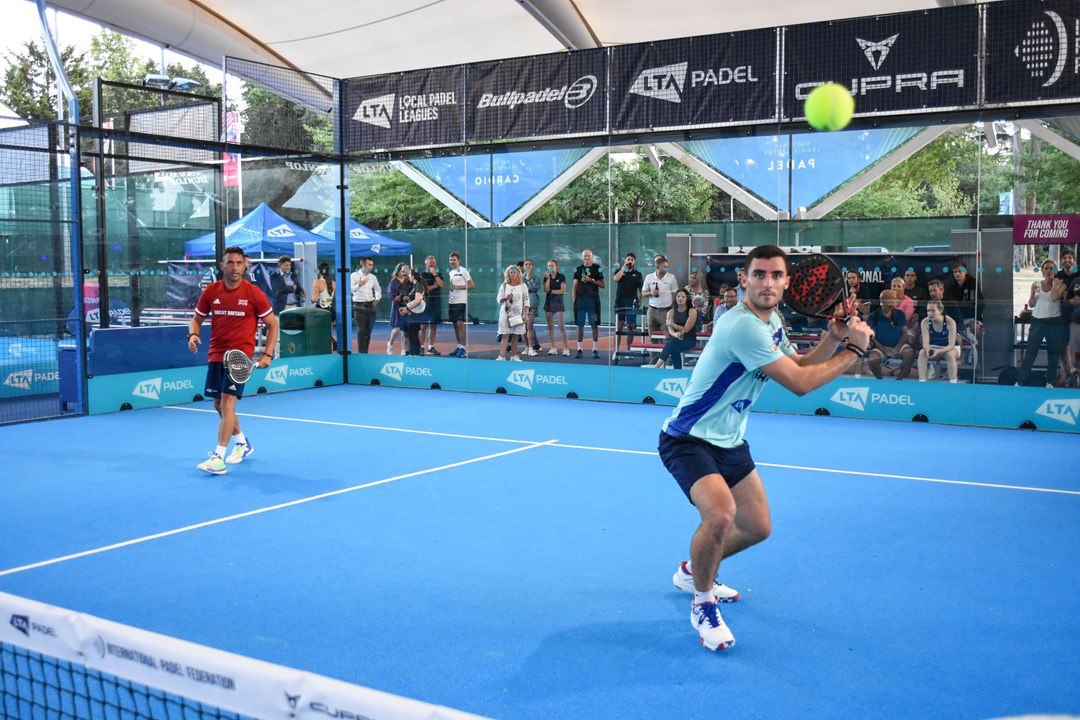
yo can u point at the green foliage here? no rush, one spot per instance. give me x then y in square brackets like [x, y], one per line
[30, 88]
[391, 201]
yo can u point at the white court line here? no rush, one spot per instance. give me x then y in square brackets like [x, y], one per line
[261, 511]
[555, 443]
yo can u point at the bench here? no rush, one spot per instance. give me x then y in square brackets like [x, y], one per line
[645, 345]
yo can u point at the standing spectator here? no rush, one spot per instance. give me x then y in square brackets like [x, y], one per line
[1072, 305]
[397, 318]
[660, 288]
[698, 289]
[1068, 274]
[682, 330]
[938, 341]
[628, 284]
[891, 339]
[366, 294]
[588, 282]
[414, 308]
[322, 290]
[235, 308]
[434, 283]
[285, 286]
[513, 299]
[731, 299]
[1045, 304]
[532, 284]
[461, 283]
[555, 306]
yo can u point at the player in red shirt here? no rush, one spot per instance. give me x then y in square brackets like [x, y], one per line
[234, 307]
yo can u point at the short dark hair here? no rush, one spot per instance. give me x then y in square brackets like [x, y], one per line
[284, 259]
[631, 255]
[935, 283]
[233, 250]
[764, 252]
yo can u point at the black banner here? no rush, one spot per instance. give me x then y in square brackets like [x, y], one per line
[699, 81]
[911, 62]
[542, 96]
[1031, 51]
[412, 109]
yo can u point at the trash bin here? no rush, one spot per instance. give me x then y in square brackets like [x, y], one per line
[305, 331]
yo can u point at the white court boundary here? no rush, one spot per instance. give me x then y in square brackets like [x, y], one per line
[523, 445]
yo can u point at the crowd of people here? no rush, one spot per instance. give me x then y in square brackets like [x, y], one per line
[920, 327]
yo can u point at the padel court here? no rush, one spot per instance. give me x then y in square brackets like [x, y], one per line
[512, 557]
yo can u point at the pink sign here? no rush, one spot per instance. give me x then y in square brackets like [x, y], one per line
[1046, 229]
[231, 169]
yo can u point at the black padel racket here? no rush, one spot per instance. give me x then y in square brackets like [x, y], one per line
[817, 288]
[239, 365]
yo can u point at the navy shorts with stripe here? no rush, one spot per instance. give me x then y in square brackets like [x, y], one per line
[689, 459]
[219, 383]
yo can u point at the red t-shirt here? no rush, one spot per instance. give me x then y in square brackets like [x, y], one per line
[234, 316]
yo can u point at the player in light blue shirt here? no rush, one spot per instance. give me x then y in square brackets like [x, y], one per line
[702, 443]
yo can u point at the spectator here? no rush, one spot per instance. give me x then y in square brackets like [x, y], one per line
[938, 341]
[1068, 274]
[532, 284]
[699, 296]
[414, 309]
[660, 288]
[854, 289]
[891, 339]
[461, 283]
[1072, 303]
[965, 292]
[913, 289]
[397, 301]
[1045, 304]
[682, 330]
[285, 287]
[555, 306]
[322, 289]
[936, 289]
[366, 294]
[513, 299]
[628, 284]
[730, 300]
[906, 306]
[588, 282]
[740, 283]
[434, 283]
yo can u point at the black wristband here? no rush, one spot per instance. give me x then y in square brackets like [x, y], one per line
[191, 335]
[855, 349]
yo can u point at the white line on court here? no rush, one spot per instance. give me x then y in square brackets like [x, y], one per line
[556, 443]
[272, 508]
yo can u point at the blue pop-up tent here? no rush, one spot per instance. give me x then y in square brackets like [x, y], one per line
[363, 241]
[261, 232]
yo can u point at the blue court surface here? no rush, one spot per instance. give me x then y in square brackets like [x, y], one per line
[512, 557]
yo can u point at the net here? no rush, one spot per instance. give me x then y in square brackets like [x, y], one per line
[57, 664]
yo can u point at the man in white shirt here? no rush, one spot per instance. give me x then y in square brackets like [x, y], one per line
[366, 294]
[660, 288]
[461, 283]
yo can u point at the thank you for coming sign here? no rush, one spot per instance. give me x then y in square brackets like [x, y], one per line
[1046, 229]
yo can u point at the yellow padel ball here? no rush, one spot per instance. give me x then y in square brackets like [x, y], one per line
[829, 107]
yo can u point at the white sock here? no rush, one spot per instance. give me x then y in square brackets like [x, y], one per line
[703, 597]
[579, 346]
[240, 439]
[220, 451]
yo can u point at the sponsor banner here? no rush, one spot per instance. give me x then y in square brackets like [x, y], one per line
[495, 185]
[635, 384]
[109, 393]
[215, 678]
[542, 96]
[1031, 51]
[542, 380]
[1046, 229]
[231, 166]
[909, 62]
[415, 372]
[186, 280]
[819, 163]
[411, 109]
[22, 380]
[709, 80]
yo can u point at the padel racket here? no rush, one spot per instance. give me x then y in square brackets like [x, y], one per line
[239, 365]
[817, 288]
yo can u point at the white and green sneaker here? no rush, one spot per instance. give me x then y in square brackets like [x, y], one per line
[215, 465]
[240, 452]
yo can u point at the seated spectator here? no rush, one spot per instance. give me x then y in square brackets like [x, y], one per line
[913, 289]
[906, 306]
[891, 339]
[938, 341]
[854, 288]
[730, 300]
[699, 296]
[682, 335]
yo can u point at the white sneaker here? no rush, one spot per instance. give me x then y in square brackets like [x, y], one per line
[566, 352]
[516, 358]
[684, 580]
[715, 635]
[389, 348]
[240, 452]
[530, 352]
[553, 351]
[499, 357]
[215, 465]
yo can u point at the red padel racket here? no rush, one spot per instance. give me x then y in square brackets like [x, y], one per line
[817, 288]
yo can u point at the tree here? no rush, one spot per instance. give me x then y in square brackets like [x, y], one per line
[30, 87]
[391, 201]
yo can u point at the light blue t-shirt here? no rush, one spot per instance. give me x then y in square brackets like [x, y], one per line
[727, 378]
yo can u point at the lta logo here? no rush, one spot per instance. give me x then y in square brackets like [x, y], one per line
[1065, 411]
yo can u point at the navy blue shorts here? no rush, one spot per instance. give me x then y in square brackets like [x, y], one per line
[689, 459]
[587, 312]
[219, 383]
